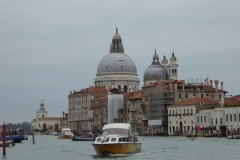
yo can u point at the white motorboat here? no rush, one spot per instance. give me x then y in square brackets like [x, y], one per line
[65, 133]
[117, 138]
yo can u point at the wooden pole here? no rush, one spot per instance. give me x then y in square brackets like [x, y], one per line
[33, 139]
[4, 139]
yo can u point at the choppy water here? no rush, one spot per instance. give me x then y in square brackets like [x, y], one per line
[161, 148]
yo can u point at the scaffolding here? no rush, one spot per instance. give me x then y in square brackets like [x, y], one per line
[158, 101]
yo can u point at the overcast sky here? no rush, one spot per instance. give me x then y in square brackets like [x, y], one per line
[49, 48]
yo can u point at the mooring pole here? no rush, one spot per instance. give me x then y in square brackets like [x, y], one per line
[152, 130]
[4, 139]
[33, 139]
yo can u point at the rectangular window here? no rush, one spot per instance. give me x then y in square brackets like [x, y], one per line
[204, 118]
[169, 111]
[187, 110]
[239, 117]
[201, 119]
[202, 95]
[235, 116]
[221, 121]
[226, 118]
[211, 121]
[230, 118]
[184, 111]
[212, 96]
[186, 96]
[198, 119]
[216, 121]
[191, 110]
[180, 95]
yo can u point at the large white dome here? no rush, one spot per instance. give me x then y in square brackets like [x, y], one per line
[116, 69]
[116, 63]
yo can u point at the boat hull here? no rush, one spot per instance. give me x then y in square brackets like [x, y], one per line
[63, 137]
[7, 143]
[117, 148]
[82, 139]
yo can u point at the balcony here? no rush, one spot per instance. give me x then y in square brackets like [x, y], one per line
[133, 109]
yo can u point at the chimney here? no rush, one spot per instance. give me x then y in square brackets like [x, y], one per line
[211, 83]
[207, 82]
[216, 85]
[63, 113]
[222, 86]
[70, 92]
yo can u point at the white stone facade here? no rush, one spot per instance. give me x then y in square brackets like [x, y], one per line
[181, 114]
[229, 117]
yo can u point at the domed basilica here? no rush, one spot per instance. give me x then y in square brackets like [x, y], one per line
[117, 69]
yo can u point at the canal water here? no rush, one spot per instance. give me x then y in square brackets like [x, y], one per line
[48, 147]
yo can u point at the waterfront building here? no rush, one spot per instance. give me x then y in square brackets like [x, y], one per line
[117, 69]
[134, 111]
[182, 116]
[80, 116]
[43, 123]
[224, 117]
[99, 107]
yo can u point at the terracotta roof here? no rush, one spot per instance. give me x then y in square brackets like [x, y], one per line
[95, 89]
[150, 85]
[136, 95]
[50, 118]
[196, 101]
[102, 98]
[232, 100]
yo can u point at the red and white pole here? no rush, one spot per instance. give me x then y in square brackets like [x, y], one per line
[4, 139]
[226, 131]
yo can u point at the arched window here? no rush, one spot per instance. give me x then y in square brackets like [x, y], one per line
[119, 87]
[175, 71]
[125, 88]
[172, 71]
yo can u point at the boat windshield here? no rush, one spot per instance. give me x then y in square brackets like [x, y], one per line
[66, 130]
[116, 131]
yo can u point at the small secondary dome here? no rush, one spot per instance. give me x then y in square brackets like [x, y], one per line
[155, 71]
[173, 58]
